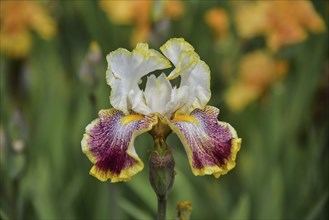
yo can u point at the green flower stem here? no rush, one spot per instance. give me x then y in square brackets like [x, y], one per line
[162, 174]
[161, 164]
[162, 206]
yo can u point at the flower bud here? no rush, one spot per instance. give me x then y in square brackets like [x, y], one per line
[162, 172]
[184, 210]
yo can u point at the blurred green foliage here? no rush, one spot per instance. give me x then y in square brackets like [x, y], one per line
[282, 168]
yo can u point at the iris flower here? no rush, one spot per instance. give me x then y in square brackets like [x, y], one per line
[108, 142]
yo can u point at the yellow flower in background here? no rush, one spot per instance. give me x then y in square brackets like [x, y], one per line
[184, 210]
[217, 19]
[250, 18]
[139, 14]
[281, 22]
[174, 9]
[17, 18]
[130, 12]
[127, 12]
[257, 71]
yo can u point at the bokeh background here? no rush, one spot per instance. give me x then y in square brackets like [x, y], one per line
[269, 77]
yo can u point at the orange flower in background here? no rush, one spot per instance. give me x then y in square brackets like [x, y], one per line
[257, 71]
[17, 18]
[281, 22]
[217, 19]
[140, 14]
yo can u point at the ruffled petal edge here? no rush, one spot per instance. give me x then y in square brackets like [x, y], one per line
[135, 125]
[199, 125]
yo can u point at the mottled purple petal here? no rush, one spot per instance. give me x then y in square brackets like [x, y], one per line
[211, 145]
[108, 143]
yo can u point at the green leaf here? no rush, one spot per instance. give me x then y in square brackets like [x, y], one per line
[242, 209]
[319, 207]
[133, 210]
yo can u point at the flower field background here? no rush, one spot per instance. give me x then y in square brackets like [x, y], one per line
[269, 68]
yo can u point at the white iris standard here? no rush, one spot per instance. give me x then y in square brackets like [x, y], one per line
[125, 70]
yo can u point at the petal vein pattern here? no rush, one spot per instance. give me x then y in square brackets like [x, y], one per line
[211, 145]
[108, 143]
